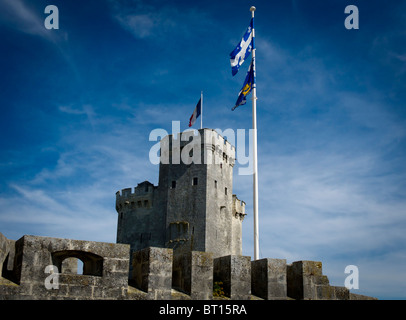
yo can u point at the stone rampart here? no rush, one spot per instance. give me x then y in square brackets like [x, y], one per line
[39, 268]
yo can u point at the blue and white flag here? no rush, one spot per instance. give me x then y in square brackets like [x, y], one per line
[249, 83]
[243, 49]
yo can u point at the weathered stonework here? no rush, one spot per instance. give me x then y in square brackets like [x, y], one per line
[193, 274]
[174, 241]
[105, 269]
[269, 280]
[235, 274]
[152, 272]
[193, 207]
[157, 274]
[307, 282]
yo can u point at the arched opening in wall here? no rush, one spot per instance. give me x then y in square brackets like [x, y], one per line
[71, 266]
[80, 266]
[78, 262]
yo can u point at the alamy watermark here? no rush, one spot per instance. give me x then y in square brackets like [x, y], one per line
[352, 280]
[350, 22]
[52, 20]
[52, 281]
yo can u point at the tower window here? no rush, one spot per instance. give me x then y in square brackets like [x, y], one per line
[145, 203]
[225, 191]
[215, 184]
[173, 184]
[195, 181]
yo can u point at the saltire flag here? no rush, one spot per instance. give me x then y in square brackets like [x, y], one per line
[196, 113]
[249, 83]
[243, 49]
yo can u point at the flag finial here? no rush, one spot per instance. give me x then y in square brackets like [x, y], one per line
[253, 8]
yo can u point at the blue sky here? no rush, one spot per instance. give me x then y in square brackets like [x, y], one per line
[78, 104]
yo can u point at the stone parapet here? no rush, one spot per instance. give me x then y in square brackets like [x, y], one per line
[269, 280]
[234, 272]
[193, 274]
[152, 272]
[40, 268]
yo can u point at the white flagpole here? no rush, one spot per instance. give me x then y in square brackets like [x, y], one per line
[254, 138]
[201, 110]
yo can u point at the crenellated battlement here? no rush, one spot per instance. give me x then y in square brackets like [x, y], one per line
[215, 138]
[139, 197]
[221, 147]
[156, 274]
[143, 188]
[207, 142]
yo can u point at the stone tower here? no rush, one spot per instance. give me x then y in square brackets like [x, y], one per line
[193, 207]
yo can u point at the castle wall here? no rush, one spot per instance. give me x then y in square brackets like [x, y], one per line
[39, 259]
[158, 273]
[269, 278]
[234, 272]
[222, 231]
[140, 217]
[238, 215]
[4, 250]
[193, 274]
[198, 196]
[185, 206]
[307, 282]
[152, 272]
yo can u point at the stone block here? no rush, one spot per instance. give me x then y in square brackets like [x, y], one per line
[152, 272]
[306, 281]
[235, 273]
[302, 279]
[269, 279]
[341, 293]
[4, 250]
[193, 274]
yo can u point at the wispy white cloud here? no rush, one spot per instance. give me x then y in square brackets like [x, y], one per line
[27, 18]
[17, 14]
[141, 26]
[85, 109]
[155, 21]
[58, 213]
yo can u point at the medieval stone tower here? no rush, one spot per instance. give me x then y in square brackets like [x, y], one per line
[193, 207]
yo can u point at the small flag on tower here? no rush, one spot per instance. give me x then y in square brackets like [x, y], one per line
[196, 113]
